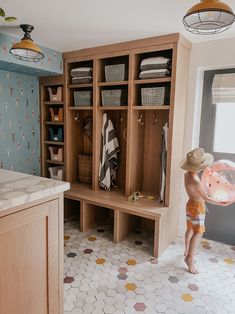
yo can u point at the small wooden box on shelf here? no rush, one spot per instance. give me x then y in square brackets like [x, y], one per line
[52, 127]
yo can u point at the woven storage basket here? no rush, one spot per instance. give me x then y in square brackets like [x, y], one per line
[57, 114]
[85, 168]
[56, 173]
[82, 98]
[113, 97]
[153, 96]
[115, 72]
[55, 93]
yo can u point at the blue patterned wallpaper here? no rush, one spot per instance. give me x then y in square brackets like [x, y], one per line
[19, 122]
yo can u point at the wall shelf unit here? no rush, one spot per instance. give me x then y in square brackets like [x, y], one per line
[138, 129]
[52, 122]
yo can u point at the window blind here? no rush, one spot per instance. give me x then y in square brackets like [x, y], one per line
[223, 88]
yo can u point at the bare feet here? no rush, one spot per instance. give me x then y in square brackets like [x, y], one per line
[186, 253]
[191, 267]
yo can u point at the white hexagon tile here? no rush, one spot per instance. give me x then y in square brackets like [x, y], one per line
[101, 277]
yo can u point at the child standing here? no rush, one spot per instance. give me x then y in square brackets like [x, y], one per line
[197, 160]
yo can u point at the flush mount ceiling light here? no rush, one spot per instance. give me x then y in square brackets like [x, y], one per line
[26, 49]
[209, 17]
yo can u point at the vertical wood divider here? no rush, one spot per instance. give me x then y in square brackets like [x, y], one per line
[67, 124]
[129, 124]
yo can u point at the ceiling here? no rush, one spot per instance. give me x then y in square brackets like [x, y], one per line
[73, 24]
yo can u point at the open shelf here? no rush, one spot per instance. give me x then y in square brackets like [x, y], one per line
[53, 143]
[78, 86]
[54, 162]
[151, 81]
[113, 83]
[53, 123]
[80, 108]
[152, 107]
[112, 107]
[53, 103]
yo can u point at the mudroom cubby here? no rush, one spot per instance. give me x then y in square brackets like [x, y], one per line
[119, 120]
[146, 148]
[138, 125]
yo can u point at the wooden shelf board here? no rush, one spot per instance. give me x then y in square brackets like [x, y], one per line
[51, 103]
[80, 108]
[53, 143]
[54, 162]
[112, 107]
[113, 83]
[72, 86]
[115, 199]
[152, 107]
[152, 81]
[53, 123]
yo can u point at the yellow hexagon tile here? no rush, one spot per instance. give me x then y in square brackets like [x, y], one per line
[130, 286]
[229, 261]
[187, 297]
[66, 237]
[92, 239]
[100, 261]
[204, 242]
[131, 262]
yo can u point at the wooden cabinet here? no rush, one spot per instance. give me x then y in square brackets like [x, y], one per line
[138, 128]
[52, 127]
[31, 263]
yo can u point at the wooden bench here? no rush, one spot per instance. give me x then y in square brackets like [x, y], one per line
[125, 213]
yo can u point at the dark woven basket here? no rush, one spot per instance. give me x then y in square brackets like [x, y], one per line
[85, 168]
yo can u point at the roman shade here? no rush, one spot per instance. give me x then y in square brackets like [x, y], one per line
[223, 88]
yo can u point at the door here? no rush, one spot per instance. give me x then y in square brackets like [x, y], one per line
[217, 134]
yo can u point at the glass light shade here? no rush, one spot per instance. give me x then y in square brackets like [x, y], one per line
[209, 17]
[27, 50]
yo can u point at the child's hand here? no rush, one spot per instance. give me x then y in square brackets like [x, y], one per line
[225, 203]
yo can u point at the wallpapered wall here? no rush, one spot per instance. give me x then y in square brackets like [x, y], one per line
[19, 122]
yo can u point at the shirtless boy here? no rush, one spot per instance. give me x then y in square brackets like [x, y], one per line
[196, 161]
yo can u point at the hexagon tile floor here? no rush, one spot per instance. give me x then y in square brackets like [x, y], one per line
[101, 277]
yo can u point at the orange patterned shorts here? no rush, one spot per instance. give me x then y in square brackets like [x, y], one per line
[195, 212]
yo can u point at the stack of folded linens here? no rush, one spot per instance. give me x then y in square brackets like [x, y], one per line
[81, 75]
[154, 67]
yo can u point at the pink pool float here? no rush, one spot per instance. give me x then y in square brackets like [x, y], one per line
[219, 181]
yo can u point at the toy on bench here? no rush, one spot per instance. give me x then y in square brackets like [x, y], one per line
[134, 197]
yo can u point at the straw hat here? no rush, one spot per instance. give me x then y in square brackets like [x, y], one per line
[197, 160]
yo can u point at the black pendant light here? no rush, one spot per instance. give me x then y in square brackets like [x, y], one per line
[26, 49]
[209, 17]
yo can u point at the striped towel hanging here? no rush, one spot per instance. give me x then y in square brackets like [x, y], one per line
[109, 150]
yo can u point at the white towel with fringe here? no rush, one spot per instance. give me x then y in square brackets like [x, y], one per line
[109, 150]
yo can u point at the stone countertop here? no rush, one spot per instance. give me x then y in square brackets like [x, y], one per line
[18, 188]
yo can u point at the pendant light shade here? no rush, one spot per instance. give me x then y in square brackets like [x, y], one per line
[26, 49]
[209, 17]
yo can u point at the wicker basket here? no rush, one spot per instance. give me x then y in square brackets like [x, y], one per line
[153, 95]
[85, 168]
[114, 97]
[115, 72]
[55, 93]
[82, 98]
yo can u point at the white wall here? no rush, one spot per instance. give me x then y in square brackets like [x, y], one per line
[214, 54]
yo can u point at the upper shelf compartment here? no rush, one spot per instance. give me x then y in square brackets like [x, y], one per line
[114, 71]
[153, 67]
[80, 74]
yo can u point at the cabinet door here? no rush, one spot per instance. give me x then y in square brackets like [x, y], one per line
[29, 263]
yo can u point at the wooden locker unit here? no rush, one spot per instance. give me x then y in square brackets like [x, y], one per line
[139, 131]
